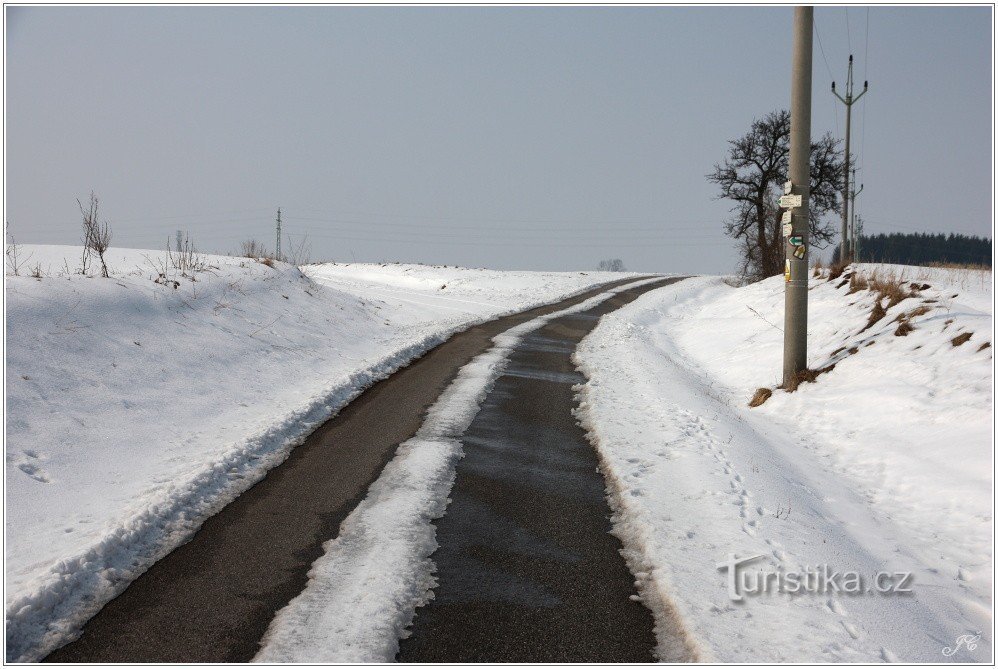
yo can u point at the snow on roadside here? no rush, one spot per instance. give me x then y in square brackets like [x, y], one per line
[139, 405]
[363, 592]
[885, 464]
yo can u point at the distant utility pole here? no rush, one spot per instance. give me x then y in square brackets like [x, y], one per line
[854, 245]
[848, 101]
[278, 233]
[859, 236]
[797, 192]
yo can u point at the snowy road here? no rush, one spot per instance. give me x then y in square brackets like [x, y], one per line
[213, 598]
[527, 569]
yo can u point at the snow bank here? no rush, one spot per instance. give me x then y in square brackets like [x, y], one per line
[363, 592]
[138, 406]
[885, 464]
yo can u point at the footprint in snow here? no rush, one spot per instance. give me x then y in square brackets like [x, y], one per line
[34, 471]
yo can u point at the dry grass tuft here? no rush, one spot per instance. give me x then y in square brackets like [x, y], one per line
[857, 282]
[835, 270]
[889, 286]
[903, 329]
[806, 376]
[875, 315]
[961, 338]
[760, 397]
[983, 346]
[269, 262]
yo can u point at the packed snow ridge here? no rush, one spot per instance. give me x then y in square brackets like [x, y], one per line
[882, 465]
[141, 404]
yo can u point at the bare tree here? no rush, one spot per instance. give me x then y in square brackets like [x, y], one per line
[611, 265]
[96, 234]
[751, 176]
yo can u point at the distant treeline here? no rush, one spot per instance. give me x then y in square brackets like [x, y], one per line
[923, 248]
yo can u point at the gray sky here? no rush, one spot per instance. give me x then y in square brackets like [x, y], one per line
[535, 138]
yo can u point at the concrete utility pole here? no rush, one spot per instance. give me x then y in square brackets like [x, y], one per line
[854, 244]
[797, 193]
[278, 233]
[859, 236]
[848, 101]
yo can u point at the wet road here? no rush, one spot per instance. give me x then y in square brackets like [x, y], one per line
[527, 569]
[212, 599]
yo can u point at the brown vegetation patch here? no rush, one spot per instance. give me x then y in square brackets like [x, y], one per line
[857, 282]
[760, 396]
[961, 339]
[875, 315]
[835, 270]
[903, 329]
[983, 346]
[806, 376]
[889, 287]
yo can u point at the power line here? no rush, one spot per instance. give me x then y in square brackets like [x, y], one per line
[831, 77]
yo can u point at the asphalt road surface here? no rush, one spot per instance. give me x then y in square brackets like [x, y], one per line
[212, 599]
[527, 570]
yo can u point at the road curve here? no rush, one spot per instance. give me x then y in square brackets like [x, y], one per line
[212, 599]
[527, 570]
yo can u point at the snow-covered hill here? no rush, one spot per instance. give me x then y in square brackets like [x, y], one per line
[883, 464]
[139, 405]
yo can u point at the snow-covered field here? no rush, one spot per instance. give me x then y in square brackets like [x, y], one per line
[884, 464]
[137, 407]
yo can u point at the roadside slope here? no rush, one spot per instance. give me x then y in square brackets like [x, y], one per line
[139, 405]
[883, 464]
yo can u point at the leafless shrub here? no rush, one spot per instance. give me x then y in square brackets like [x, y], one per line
[186, 259]
[251, 248]
[36, 271]
[96, 234]
[15, 259]
[300, 252]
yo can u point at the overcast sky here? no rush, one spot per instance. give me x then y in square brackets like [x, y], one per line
[536, 138]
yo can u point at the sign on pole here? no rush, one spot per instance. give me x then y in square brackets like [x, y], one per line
[791, 201]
